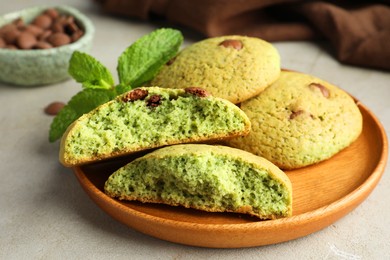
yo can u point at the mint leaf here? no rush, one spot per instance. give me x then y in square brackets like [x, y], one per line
[60, 123]
[83, 102]
[88, 71]
[141, 61]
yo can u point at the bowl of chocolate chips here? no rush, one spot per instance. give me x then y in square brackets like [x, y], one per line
[37, 43]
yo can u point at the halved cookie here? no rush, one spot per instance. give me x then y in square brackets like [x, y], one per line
[147, 118]
[205, 177]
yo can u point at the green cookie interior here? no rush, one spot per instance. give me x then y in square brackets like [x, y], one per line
[205, 177]
[124, 126]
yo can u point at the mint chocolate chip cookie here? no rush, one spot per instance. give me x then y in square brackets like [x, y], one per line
[205, 177]
[146, 118]
[300, 120]
[231, 67]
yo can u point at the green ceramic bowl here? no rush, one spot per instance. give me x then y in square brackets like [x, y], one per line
[41, 67]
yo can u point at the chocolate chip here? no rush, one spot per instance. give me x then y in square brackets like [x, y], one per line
[199, 92]
[76, 35]
[58, 39]
[11, 35]
[154, 101]
[294, 114]
[136, 94]
[6, 28]
[43, 45]
[11, 47]
[236, 44]
[26, 40]
[57, 27]
[33, 29]
[44, 21]
[71, 28]
[299, 112]
[44, 35]
[53, 13]
[54, 108]
[2, 43]
[322, 88]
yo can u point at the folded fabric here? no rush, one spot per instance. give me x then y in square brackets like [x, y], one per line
[359, 31]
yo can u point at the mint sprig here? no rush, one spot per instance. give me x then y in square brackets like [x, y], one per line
[137, 65]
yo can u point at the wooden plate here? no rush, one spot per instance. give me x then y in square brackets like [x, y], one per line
[323, 193]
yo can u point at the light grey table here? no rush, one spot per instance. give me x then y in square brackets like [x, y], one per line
[44, 213]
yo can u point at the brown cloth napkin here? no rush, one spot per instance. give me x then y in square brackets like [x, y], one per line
[358, 30]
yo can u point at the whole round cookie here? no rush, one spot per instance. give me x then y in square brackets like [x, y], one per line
[300, 120]
[235, 68]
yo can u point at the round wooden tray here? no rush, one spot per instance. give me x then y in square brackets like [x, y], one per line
[322, 194]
